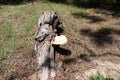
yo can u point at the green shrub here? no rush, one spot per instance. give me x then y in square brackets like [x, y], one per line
[3, 55]
[104, 28]
[99, 76]
[84, 56]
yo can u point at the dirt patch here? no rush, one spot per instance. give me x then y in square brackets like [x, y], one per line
[82, 70]
[98, 37]
[18, 66]
[95, 34]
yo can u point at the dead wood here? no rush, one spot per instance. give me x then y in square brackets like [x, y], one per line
[47, 25]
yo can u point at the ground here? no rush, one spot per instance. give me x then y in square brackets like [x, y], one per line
[93, 41]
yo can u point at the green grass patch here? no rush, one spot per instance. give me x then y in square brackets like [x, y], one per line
[3, 54]
[30, 44]
[29, 23]
[24, 9]
[99, 76]
[104, 28]
[9, 37]
[31, 10]
[6, 29]
[84, 56]
[19, 23]
[13, 43]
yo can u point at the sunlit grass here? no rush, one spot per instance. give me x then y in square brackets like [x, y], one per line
[6, 29]
[19, 23]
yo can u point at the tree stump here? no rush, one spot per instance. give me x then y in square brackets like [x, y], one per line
[47, 24]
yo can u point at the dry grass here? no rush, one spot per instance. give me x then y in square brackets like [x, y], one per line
[90, 31]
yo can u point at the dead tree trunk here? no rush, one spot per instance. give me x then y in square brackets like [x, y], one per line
[45, 51]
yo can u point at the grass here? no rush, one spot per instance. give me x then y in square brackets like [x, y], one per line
[118, 77]
[18, 26]
[3, 54]
[8, 42]
[6, 29]
[84, 56]
[20, 23]
[99, 76]
[104, 28]
[29, 24]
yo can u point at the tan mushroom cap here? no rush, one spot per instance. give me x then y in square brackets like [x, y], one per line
[60, 40]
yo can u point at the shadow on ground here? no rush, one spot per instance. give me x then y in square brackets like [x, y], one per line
[112, 6]
[93, 19]
[101, 36]
[62, 51]
[14, 2]
[87, 57]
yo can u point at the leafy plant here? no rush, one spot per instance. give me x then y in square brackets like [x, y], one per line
[99, 76]
[3, 55]
[104, 29]
[84, 56]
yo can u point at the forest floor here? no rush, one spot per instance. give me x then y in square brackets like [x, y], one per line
[93, 41]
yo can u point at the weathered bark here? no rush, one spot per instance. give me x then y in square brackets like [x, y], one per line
[45, 51]
[47, 18]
